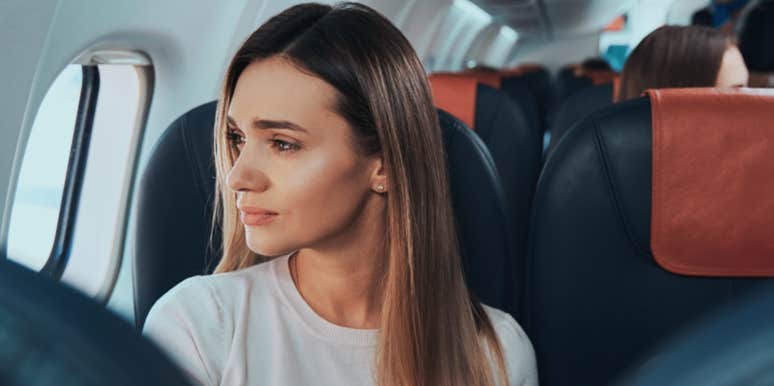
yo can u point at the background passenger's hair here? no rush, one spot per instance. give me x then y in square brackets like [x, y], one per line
[595, 64]
[674, 56]
[702, 17]
[756, 42]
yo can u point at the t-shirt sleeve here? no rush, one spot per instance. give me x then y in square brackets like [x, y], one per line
[518, 352]
[188, 324]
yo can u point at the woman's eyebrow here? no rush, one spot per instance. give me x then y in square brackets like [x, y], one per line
[272, 124]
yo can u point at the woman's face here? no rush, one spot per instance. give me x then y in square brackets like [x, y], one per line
[733, 71]
[298, 178]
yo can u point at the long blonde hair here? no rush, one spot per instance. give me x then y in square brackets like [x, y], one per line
[432, 331]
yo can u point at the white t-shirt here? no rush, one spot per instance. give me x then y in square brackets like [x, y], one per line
[252, 327]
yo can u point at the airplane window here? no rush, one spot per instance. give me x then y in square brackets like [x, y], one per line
[38, 198]
[70, 210]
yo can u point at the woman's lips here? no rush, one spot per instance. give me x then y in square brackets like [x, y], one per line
[256, 217]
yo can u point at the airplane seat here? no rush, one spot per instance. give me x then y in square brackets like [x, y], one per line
[515, 147]
[531, 86]
[577, 106]
[175, 207]
[567, 83]
[176, 197]
[500, 123]
[540, 83]
[606, 279]
[51, 334]
[521, 91]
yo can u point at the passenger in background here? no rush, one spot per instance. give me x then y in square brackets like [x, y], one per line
[673, 57]
[756, 41]
[702, 17]
[592, 65]
[575, 77]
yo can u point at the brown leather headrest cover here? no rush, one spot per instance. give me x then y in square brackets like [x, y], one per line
[455, 93]
[713, 182]
[491, 79]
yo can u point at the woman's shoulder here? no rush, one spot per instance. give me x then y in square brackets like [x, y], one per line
[194, 322]
[212, 294]
[256, 278]
[517, 348]
[504, 323]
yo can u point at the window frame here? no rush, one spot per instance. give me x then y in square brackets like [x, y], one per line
[57, 265]
[76, 167]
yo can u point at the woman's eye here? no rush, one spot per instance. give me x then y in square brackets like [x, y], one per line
[283, 146]
[235, 139]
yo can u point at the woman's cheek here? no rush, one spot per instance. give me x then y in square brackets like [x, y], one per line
[323, 196]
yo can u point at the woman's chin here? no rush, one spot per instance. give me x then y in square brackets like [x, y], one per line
[268, 249]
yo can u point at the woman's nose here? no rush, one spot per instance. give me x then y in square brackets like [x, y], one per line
[246, 175]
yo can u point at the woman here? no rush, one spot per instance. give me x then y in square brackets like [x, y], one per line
[679, 57]
[329, 155]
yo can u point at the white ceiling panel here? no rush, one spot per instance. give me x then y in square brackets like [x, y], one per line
[548, 19]
[578, 17]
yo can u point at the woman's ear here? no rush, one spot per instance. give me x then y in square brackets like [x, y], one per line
[378, 176]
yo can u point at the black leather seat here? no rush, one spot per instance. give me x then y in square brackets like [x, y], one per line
[567, 83]
[595, 298]
[576, 107]
[515, 145]
[52, 335]
[180, 176]
[541, 84]
[538, 84]
[516, 149]
[520, 90]
[179, 179]
[494, 268]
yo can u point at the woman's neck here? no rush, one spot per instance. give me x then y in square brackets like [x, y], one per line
[342, 294]
[341, 282]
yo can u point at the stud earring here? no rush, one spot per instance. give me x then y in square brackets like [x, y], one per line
[380, 188]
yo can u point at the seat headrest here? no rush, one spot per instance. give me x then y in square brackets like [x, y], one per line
[481, 214]
[567, 84]
[455, 94]
[491, 79]
[713, 178]
[52, 334]
[179, 178]
[577, 106]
